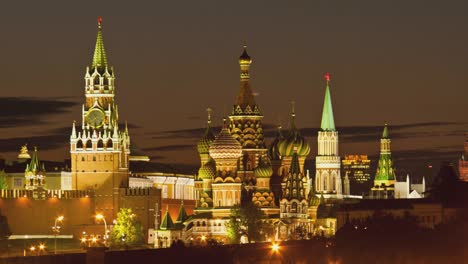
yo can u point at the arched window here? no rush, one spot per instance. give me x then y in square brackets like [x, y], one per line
[79, 144]
[109, 144]
[89, 144]
[100, 144]
[294, 207]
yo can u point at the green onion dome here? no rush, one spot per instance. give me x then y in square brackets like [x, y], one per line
[204, 143]
[225, 146]
[207, 170]
[293, 139]
[264, 169]
[273, 151]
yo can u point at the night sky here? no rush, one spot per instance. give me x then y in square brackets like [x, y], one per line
[401, 62]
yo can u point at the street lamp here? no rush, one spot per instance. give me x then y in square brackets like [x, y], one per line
[275, 247]
[101, 217]
[56, 230]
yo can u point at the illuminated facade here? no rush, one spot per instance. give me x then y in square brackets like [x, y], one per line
[357, 168]
[328, 175]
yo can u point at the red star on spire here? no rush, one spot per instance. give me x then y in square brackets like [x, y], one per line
[327, 76]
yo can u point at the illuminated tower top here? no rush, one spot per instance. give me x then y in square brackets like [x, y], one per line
[328, 122]
[99, 58]
[245, 103]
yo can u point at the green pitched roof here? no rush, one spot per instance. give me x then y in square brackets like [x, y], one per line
[99, 58]
[182, 214]
[167, 222]
[34, 164]
[328, 122]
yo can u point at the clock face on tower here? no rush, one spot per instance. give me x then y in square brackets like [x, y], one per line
[95, 118]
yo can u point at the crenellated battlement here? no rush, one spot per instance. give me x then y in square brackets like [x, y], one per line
[139, 191]
[60, 194]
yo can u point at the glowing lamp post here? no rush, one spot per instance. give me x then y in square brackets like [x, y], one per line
[275, 247]
[56, 230]
[101, 217]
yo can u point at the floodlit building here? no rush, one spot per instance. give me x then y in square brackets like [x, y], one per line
[357, 168]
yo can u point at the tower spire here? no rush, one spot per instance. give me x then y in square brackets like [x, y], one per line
[293, 115]
[328, 122]
[245, 97]
[99, 58]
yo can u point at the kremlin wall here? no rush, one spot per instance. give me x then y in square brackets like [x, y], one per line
[237, 168]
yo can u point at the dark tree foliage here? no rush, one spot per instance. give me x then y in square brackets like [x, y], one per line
[384, 238]
[446, 187]
[246, 220]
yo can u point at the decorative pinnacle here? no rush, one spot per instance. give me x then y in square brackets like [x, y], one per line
[293, 107]
[99, 21]
[224, 122]
[208, 110]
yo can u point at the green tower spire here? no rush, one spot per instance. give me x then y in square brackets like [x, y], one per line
[99, 58]
[182, 214]
[328, 122]
[385, 172]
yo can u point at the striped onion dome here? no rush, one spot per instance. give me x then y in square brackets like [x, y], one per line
[203, 145]
[273, 151]
[225, 146]
[293, 139]
[264, 169]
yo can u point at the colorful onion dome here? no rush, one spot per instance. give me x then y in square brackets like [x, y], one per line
[314, 200]
[207, 170]
[292, 140]
[244, 57]
[225, 146]
[203, 145]
[273, 150]
[264, 169]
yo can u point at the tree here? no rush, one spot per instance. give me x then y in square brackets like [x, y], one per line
[247, 220]
[3, 180]
[127, 232]
[446, 185]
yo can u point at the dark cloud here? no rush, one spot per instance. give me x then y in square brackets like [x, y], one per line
[45, 142]
[24, 111]
[170, 147]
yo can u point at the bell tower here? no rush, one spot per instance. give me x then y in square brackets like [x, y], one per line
[99, 150]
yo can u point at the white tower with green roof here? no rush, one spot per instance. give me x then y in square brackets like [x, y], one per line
[328, 164]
